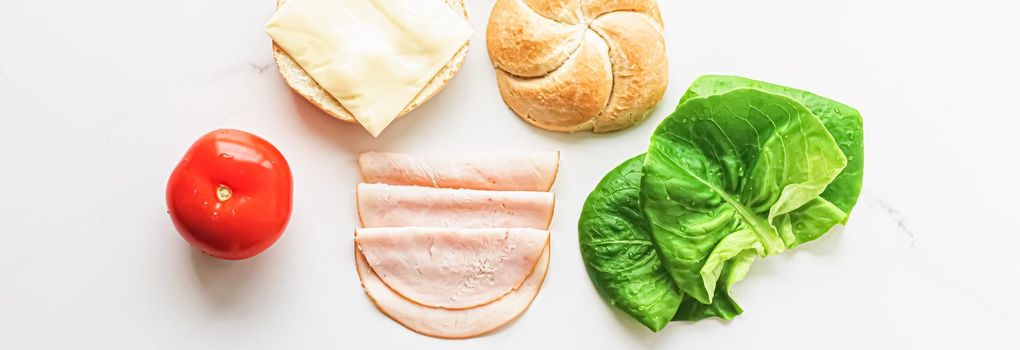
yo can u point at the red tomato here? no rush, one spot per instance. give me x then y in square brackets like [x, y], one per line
[230, 196]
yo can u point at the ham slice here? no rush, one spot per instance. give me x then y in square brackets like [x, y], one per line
[451, 324]
[402, 206]
[512, 171]
[452, 268]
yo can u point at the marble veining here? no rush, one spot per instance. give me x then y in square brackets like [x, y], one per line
[261, 67]
[897, 218]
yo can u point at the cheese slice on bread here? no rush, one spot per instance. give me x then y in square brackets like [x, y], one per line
[374, 57]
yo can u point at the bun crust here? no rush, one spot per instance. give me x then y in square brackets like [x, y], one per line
[304, 85]
[571, 65]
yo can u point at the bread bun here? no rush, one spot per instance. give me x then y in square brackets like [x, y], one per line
[304, 85]
[570, 65]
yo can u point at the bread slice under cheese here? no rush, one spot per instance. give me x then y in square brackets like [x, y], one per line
[302, 83]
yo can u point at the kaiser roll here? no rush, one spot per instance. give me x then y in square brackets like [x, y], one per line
[570, 65]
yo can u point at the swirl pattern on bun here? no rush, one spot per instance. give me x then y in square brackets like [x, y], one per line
[572, 65]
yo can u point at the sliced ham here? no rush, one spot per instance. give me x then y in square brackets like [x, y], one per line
[382, 205]
[452, 268]
[511, 171]
[453, 324]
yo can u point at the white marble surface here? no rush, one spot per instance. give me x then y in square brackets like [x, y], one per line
[99, 99]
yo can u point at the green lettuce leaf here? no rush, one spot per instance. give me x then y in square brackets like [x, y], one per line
[722, 171]
[624, 266]
[618, 251]
[723, 306]
[843, 122]
[741, 172]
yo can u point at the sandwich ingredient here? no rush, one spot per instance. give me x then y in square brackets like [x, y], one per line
[374, 57]
[842, 121]
[452, 268]
[230, 196]
[381, 205]
[618, 251]
[741, 169]
[731, 173]
[578, 65]
[303, 84]
[454, 262]
[622, 261]
[510, 171]
[452, 324]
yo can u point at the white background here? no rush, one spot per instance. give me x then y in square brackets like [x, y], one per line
[99, 99]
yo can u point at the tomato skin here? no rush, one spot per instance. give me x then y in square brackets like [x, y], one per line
[250, 214]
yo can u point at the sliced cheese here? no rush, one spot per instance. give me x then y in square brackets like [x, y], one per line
[373, 56]
[507, 171]
[401, 206]
[452, 268]
[451, 324]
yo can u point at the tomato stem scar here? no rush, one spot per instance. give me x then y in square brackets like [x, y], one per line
[223, 193]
